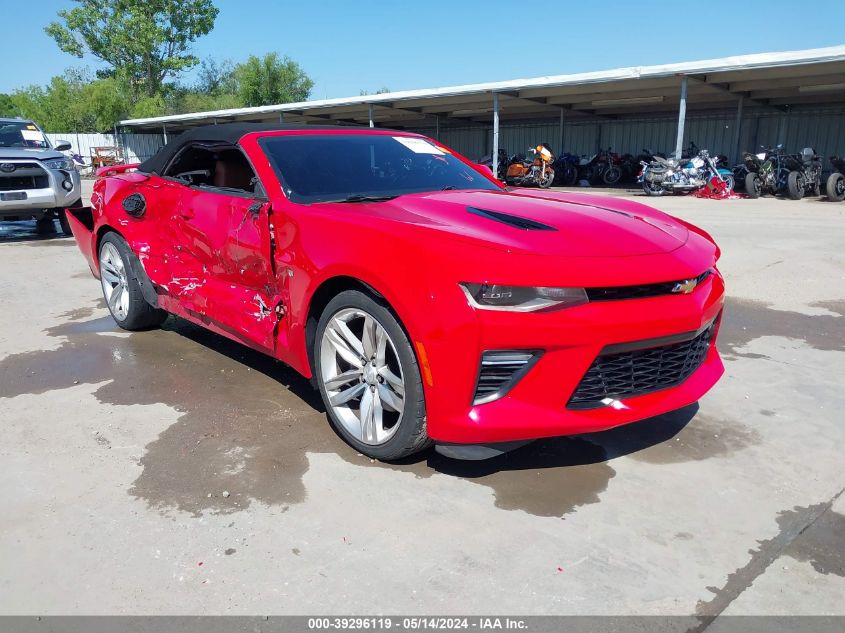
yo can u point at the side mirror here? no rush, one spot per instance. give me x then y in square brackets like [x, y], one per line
[61, 146]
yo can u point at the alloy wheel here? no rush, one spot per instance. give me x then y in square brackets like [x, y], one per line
[362, 376]
[115, 281]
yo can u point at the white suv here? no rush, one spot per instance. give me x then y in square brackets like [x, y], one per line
[36, 180]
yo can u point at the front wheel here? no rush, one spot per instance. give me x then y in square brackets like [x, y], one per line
[121, 290]
[836, 187]
[612, 176]
[369, 378]
[729, 182]
[546, 181]
[795, 185]
[753, 185]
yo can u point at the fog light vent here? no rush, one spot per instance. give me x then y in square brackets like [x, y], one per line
[500, 371]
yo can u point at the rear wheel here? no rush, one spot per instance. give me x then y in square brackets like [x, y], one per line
[753, 185]
[121, 289]
[368, 377]
[836, 187]
[652, 188]
[795, 185]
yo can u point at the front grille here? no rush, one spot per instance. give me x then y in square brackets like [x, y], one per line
[15, 183]
[618, 374]
[643, 291]
[500, 371]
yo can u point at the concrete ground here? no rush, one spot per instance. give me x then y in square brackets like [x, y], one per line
[174, 472]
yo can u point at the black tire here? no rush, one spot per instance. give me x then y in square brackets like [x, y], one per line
[140, 315]
[545, 183]
[795, 185]
[836, 187]
[730, 183]
[411, 436]
[570, 175]
[753, 185]
[44, 225]
[60, 213]
[612, 175]
[653, 189]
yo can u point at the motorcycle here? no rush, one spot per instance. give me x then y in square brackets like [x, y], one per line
[537, 171]
[805, 174]
[767, 172]
[836, 181]
[504, 161]
[668, 175]
[566, 169]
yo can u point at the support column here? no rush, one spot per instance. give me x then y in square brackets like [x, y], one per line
[495, 135]
[737, 129]
[682, 118]
[437, 127]
[372, 123]
[560, 132]
[164, 132]
[281, 117]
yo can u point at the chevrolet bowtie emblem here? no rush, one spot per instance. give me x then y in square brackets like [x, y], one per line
[685, 287]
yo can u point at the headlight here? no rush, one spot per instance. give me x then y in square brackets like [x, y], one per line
[522, 298]
[58, 163]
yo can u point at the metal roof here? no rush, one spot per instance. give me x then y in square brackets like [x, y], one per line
[766, 80]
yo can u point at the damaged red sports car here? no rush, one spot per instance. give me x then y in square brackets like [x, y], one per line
[429, 303]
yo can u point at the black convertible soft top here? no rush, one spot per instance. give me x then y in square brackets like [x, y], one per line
[222, 133]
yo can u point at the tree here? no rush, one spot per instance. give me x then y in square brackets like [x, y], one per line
[145, 40]
[270, 80]
[7, 106]
[74, 103]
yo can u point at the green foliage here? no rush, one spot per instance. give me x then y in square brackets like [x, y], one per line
[270, 80]
[380, 91]
[72, 102]
[7, 106]
[146, 40]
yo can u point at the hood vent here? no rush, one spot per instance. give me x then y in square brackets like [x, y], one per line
[511, 220]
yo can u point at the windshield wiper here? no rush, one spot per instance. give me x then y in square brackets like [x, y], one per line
[362, 198]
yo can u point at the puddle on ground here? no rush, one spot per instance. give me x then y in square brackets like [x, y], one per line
[745, 320]
[248, 423]
[27, 231]
[822, 545]
[813, 533]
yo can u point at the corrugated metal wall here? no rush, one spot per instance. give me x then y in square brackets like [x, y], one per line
[135, 147]
[822, 128]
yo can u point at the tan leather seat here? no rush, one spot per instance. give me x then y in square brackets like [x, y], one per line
[233, 171]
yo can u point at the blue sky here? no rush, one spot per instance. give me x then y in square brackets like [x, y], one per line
[350, 46]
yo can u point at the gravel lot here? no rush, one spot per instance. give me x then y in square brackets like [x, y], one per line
[175, 472]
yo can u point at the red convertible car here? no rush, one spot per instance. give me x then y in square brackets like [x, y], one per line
[428, 303]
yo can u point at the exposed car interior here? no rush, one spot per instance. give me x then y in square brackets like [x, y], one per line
[220, 167]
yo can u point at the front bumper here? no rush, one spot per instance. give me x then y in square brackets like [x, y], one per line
[50, 197]
[536, 406]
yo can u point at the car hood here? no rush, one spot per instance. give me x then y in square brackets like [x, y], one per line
[39, 154]
[576, 225]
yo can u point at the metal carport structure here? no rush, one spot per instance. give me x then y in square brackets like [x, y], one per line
[732, 88]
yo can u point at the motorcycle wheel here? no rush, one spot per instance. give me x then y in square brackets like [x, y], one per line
[569, 176]
[546, 182]
[612, 175]
[795, 185]
[836, 187]
[753, 185]
[653, 189]
[730, 183]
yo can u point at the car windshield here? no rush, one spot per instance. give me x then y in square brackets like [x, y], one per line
[21, 134]
[365, 167]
